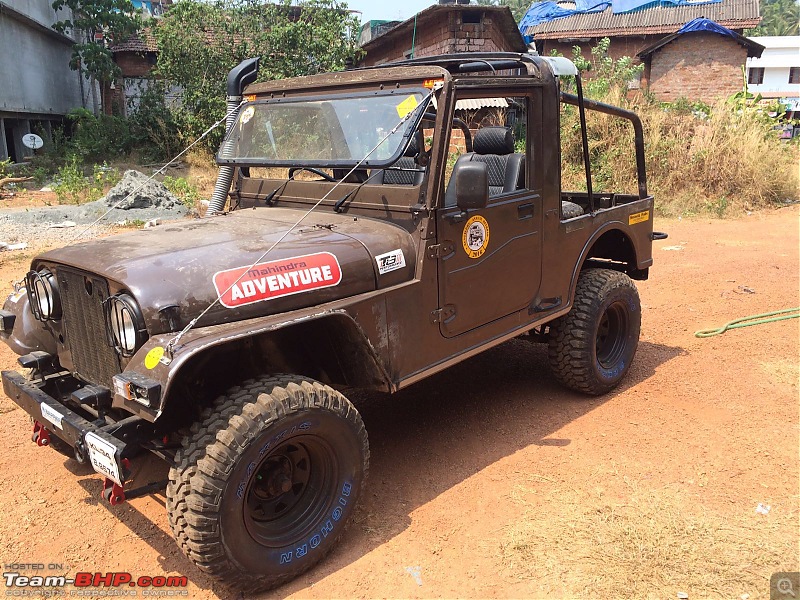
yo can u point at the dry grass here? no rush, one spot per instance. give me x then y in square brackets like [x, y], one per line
[728, 163]
[650, 544]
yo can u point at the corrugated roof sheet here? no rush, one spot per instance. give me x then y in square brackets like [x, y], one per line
[733, 14]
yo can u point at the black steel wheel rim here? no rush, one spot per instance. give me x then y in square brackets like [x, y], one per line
[612, 335]
[290, 490]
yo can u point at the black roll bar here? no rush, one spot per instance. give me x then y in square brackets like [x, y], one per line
[615, 111]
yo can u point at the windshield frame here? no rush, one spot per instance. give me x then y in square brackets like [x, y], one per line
[368, 163]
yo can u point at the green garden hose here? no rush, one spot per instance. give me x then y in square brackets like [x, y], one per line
[751, 320]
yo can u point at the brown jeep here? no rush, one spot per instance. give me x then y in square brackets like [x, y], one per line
[372, 237]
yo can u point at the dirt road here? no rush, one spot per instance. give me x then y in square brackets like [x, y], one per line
[491, 481]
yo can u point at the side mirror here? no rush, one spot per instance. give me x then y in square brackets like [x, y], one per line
[472, 185]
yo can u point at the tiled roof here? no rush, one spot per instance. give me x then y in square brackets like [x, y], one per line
[733, 14]
[144, 41]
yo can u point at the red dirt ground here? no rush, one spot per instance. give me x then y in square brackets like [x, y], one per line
[491, 481]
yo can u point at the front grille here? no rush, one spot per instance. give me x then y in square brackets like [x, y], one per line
[82, 296]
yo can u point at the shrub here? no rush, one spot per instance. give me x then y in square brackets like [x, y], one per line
[185, 191]
[73, 187]
[95, 138]
[154, 130]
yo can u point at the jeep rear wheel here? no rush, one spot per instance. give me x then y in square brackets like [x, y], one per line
[591, 347]
[266, 482]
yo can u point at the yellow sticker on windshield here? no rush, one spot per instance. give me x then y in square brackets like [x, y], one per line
[406, 106]
[152, 358]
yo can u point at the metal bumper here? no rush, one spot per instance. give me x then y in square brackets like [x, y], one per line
[104, 451]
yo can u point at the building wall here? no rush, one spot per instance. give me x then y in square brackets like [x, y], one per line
[780, 54]
[619, 47]
[36, 83]
[697, 66]
[447, 36]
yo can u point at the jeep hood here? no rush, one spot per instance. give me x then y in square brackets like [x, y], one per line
[181, 268]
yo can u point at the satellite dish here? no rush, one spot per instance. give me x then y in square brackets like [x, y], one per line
[32, 141]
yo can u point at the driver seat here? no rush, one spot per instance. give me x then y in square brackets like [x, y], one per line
[506, 169]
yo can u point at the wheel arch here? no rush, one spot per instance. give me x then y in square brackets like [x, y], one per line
[611, 247]
[330, 348]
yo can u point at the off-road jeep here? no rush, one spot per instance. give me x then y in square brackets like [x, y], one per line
[382, 224]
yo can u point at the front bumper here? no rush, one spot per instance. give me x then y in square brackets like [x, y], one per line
[105, 452]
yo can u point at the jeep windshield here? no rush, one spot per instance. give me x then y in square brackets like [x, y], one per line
[330, 131]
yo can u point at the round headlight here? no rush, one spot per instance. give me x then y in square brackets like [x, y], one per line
[44, 299]
[125, 323]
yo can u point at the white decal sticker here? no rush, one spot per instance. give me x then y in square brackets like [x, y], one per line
[51, 414]
[391, 261]
[101, 453]
[247, 114]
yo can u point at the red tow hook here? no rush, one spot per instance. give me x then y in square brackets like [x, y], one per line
[114, 493]
[41, 436]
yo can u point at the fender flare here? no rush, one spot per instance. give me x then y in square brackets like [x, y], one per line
[607, 227]
[167, 370]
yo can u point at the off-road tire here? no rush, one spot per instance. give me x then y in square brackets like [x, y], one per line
[229, 504]
[591, 347]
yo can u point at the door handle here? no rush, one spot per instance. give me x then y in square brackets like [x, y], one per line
[525, 211]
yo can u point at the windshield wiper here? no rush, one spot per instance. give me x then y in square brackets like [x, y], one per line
[337, 207]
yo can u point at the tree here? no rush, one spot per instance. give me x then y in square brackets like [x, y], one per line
[115, 19]
[778, 17]
[518, 7]
[199, 42]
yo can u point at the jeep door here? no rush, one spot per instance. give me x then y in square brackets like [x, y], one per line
[490, 258]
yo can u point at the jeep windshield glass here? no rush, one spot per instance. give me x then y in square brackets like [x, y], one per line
[322, 132]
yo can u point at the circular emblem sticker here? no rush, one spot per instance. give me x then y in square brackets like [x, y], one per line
[248, 114]
[152, 357]
[476, 236]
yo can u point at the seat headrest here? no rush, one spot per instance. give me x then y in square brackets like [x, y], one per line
[493, 140]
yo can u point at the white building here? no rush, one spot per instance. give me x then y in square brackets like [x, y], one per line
[777, 73]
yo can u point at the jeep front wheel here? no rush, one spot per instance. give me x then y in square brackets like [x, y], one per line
[591, 347]
[267, 480]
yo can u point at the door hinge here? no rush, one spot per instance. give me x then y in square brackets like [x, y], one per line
[443, 250]
[443, 315]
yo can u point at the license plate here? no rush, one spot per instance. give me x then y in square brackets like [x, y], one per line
[51, 414]
[101, 453]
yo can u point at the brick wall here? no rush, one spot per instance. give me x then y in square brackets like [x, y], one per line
[619, 47]
[444, 36]
[134, 64]
[698, 66]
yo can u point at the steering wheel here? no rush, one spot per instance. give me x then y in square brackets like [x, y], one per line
[322, 174]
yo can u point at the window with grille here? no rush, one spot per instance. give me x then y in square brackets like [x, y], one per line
[755, 75]
[794, 75]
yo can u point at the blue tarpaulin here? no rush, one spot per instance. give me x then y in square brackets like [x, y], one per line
[701, 24]
[542, 12]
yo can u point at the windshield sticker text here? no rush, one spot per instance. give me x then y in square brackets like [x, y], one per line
[278, 278]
